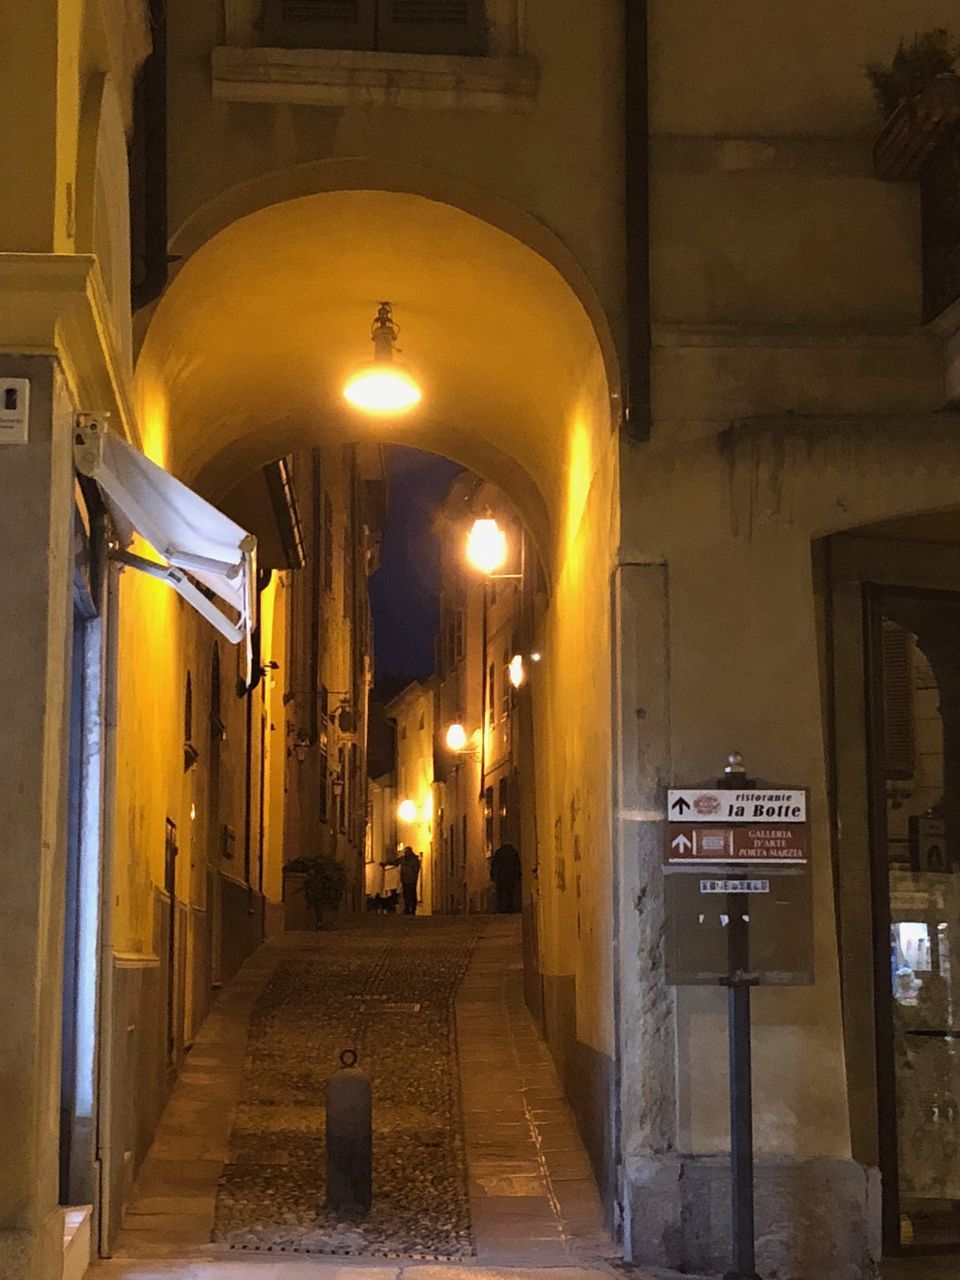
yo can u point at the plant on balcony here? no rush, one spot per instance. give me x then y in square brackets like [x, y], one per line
[324, 882]
[918, 93]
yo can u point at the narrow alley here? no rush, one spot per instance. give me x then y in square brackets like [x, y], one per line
[476, 1155]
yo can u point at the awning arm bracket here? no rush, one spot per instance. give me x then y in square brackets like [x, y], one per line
[232, 631]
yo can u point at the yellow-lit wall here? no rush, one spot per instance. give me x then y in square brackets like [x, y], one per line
[413, 710]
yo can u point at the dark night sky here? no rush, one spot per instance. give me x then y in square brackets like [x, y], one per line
[404, 592]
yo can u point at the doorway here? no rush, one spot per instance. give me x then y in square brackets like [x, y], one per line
[172, 940]
[913, 753]
[82, 888]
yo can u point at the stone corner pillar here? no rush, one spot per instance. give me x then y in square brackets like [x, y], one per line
[36, 557]
[707, 665]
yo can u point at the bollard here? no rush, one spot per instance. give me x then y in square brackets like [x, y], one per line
[349, 1138]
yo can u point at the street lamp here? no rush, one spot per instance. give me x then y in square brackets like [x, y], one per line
[460, 742]
[407, 811]
[487, 545]
[382, 385]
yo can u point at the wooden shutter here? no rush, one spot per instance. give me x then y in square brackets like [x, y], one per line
[898, 738]
[431, 26]
[319, 24]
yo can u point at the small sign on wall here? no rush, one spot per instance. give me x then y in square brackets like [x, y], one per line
[14, 410]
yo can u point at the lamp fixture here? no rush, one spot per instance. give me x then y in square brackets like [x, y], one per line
[487, 545]
[382, 385]
[456, 737]
[407, 811]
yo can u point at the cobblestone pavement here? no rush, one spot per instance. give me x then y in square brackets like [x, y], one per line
[487, 1169]
[386, 988]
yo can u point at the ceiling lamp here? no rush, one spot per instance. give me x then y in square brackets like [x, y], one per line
[383, 385]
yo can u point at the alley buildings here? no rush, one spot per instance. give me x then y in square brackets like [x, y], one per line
[669, 279]
[460, 766]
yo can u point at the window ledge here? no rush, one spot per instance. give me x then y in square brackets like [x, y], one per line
[361, 78]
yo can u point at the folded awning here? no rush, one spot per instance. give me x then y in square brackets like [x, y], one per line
[197, 543]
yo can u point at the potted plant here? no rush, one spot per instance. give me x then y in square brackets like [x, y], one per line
[323, 884]
[918, 93]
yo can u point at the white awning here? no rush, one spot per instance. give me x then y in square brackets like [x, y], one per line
[195, 540]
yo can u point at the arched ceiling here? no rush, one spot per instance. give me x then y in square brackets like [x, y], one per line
[246, 354]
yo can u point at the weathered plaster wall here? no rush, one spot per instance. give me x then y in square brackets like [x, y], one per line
[794, 394]
[525, 157]
[573, 733]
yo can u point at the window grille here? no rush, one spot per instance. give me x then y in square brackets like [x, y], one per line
[898, 733]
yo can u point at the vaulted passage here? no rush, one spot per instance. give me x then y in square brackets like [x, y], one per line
[259, 772]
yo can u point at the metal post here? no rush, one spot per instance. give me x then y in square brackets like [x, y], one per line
[740, 1065]
[349, 1125]
[741, 1133]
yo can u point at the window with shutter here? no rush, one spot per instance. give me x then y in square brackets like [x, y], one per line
[398, 26]
[320, 24]
[431, 26]
[897, 650]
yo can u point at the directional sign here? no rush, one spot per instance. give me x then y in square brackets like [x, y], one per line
[756, 843]
[704, 805]
[737, 883]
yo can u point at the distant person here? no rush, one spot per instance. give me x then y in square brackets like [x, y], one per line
[505, 872]
[409, 876]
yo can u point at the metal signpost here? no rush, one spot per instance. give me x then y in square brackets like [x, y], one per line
[739, 914]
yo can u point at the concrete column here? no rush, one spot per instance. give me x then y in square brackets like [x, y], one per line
[730, 632]
[36, 555]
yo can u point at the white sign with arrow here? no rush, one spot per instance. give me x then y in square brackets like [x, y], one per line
[693, 805]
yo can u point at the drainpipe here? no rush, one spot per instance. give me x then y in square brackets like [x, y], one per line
[150, 182]
[636, 156]
[637, 414]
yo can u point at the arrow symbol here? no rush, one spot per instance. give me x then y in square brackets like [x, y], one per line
[681, 842]
[681, 804]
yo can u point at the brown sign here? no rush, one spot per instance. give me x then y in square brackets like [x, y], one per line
[758, 842]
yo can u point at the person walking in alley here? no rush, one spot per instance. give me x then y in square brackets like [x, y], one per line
[505, 872]
[409, 876]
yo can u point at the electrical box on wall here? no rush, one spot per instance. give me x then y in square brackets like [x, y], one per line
[14, 410]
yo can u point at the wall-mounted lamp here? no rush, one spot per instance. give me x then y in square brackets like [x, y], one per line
[301, 741]
[487, 545]
[383, 385]
[407, 811]
[459, 741]
[516, 670]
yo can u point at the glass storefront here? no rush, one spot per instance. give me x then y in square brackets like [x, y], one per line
[916, 773]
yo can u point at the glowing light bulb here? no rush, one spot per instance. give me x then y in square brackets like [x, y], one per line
[382, 387]
[407, 811]
[456, 737]
[487, 545]
[515, 671]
